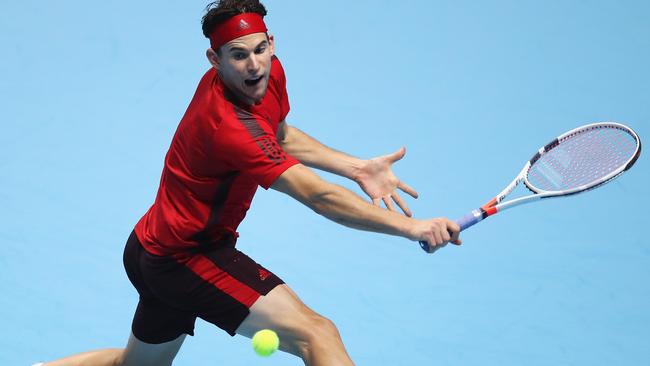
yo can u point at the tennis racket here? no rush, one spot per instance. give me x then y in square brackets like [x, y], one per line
[579, 160]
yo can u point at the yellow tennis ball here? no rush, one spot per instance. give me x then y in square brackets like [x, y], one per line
[265, 342]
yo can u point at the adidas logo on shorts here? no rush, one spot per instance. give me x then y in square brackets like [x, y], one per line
[264, 274]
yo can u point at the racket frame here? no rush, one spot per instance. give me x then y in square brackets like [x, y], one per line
[496, 204]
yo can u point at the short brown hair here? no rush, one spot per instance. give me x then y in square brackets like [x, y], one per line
[219, 11]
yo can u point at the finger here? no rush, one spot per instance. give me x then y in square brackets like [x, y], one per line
[406, 188]
[430, 248]
[388, 203]
[445, 235]
[397, 155]
[375, 201]
[453, 229]
[438, 247]
[438, 238]
[401, 204]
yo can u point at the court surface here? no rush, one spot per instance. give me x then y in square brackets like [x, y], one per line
[91, 94]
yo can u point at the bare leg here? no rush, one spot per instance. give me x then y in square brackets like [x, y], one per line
[104, 357]
[137, 353]
[302, 331]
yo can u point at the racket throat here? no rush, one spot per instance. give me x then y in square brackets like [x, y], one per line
[482, 213]
[493, 202]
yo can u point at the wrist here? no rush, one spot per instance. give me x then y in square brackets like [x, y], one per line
[358, 169]
[410, 230]
[355, 169]
[403, 226]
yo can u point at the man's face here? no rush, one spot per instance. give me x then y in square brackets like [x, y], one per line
[244, 65]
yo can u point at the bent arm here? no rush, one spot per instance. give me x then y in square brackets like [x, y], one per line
[314, 154]
[341, 205]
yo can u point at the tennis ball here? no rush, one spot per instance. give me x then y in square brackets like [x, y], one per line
[265, 342]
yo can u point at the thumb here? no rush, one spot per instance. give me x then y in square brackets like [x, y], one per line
[397, 155]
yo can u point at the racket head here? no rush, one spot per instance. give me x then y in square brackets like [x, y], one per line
[582, 159]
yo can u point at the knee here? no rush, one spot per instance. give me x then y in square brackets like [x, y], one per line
[325, 328]
[316, 330]
[119, 355]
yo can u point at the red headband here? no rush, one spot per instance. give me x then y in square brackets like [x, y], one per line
[235, 27]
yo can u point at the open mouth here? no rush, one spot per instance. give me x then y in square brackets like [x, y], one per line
[252, 82]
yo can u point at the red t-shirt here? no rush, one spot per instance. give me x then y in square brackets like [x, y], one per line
[221, 151]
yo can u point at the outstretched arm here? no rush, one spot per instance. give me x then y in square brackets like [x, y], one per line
[343, 206]
[375, 176]
[312, 153]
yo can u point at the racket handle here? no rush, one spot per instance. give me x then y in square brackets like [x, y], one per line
[464, 223]
[469, 220]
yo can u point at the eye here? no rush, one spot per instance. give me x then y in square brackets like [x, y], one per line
[239, 55]
[260, 50]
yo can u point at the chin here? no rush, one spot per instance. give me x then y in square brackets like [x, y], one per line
[257, 100]
[257, 97]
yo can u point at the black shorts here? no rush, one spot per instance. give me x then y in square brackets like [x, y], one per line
[218, 285]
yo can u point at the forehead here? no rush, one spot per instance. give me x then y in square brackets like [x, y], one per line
[249, 41]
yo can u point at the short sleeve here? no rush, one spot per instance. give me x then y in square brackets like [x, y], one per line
[251, 148]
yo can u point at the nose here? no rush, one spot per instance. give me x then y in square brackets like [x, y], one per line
[253, 65]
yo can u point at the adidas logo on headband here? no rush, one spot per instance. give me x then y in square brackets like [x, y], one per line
[243, 24]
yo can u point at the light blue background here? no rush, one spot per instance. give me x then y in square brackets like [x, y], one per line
[91, 93]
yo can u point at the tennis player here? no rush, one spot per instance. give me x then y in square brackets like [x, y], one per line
[182, 256]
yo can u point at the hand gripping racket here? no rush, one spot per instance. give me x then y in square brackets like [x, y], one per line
[579, 160]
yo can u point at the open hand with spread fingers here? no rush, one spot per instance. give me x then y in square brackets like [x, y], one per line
[378, 181]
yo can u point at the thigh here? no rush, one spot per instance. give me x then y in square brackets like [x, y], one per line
[139, 353]
[282, 311]
[155, 321]
[220, 286]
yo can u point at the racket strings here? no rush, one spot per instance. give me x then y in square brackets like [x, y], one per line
[583, 159]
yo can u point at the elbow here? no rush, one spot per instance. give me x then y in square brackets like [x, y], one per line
[286, 139]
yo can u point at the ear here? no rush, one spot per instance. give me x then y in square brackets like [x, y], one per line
[213, 58]
[271, 44]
